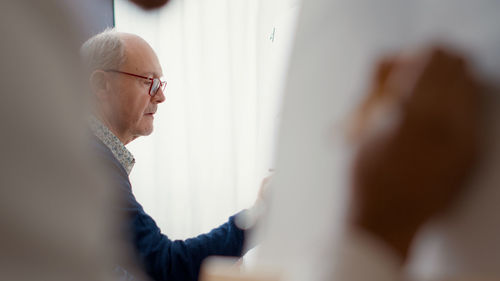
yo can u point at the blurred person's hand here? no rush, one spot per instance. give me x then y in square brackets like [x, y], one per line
[264, 189]
[251, 217]
[416, 133]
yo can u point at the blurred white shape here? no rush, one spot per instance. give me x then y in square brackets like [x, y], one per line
[337, 44]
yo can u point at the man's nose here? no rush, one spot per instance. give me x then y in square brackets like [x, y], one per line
[159, 97]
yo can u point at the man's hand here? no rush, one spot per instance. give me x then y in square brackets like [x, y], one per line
[251, 217]
[417, 138]
[263, 190]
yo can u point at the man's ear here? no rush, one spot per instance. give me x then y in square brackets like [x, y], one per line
[99, 84]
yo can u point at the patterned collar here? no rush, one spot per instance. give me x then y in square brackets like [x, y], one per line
[121, 153]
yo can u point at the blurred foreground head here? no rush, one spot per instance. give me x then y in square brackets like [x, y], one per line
[56, 215]
[418, 135]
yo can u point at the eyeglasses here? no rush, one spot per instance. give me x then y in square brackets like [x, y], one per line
[155, 84]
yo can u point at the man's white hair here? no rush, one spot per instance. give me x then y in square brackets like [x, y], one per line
[103, 51]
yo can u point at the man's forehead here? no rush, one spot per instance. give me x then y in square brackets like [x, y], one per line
[140, 56]
[152, 74]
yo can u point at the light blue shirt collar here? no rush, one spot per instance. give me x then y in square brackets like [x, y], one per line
[121, 153]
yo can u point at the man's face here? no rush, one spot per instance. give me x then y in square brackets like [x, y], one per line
[132, 108]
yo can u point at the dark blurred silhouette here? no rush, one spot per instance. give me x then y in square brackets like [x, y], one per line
[150, 4]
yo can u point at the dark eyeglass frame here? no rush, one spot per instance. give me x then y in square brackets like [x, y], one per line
[156, 83]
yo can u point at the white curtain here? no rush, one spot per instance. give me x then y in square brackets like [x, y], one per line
[224, 63]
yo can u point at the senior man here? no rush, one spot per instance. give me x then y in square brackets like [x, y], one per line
[125, 80]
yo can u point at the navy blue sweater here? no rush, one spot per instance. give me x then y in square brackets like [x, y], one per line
[162, 258]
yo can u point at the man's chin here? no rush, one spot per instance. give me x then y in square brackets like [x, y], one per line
[145, 131]
[148, 131]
